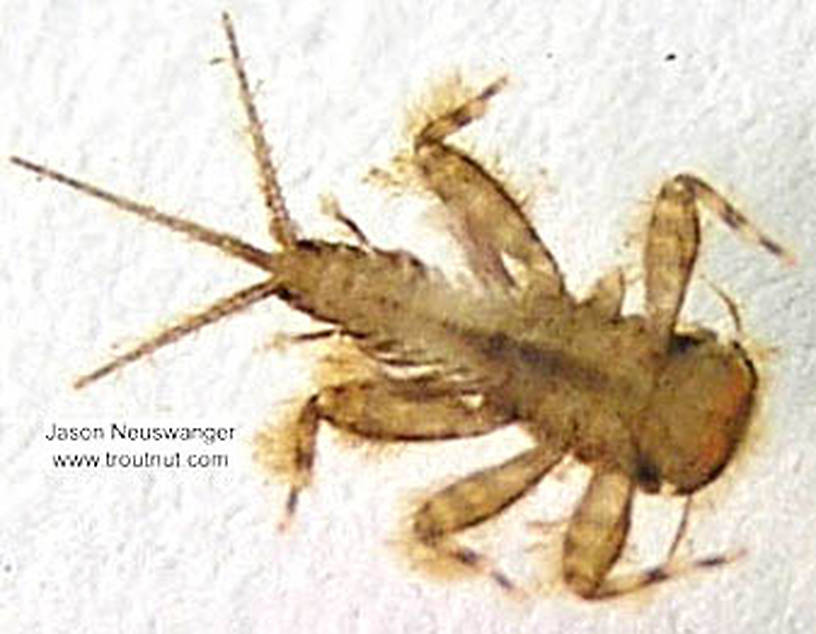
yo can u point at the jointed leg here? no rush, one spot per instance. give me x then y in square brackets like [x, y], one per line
[489, 221]
[673, 240]
[477, 498]
[713, 201]
[597, 532]
[379, 410]
[458, 117]
[626, 584]
[596, 535]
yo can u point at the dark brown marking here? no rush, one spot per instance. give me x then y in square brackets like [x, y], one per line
[771, 246]
[656, 575]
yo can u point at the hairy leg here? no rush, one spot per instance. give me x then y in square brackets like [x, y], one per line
[597, 532]
[489, 221]
[379, 410]
[595, 538]
[475, 499]
[673, 241]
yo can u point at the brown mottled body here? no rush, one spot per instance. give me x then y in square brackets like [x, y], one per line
[644, 406]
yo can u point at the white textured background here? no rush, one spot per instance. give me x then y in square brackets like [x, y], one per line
[123, 95]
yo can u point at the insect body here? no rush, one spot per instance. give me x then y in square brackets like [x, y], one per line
[668, 411]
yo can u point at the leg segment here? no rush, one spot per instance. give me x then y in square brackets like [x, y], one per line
[626, 584]
[597, 532]
[736, 221]
[377, 410]
[477, 498]
[671, 250]
[489, 221]
[596, 535]
[673, 240]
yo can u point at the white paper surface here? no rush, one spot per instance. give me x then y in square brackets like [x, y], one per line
[607, 99]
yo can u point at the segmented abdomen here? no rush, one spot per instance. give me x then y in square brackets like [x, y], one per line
[366, 292]
[401, 312]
